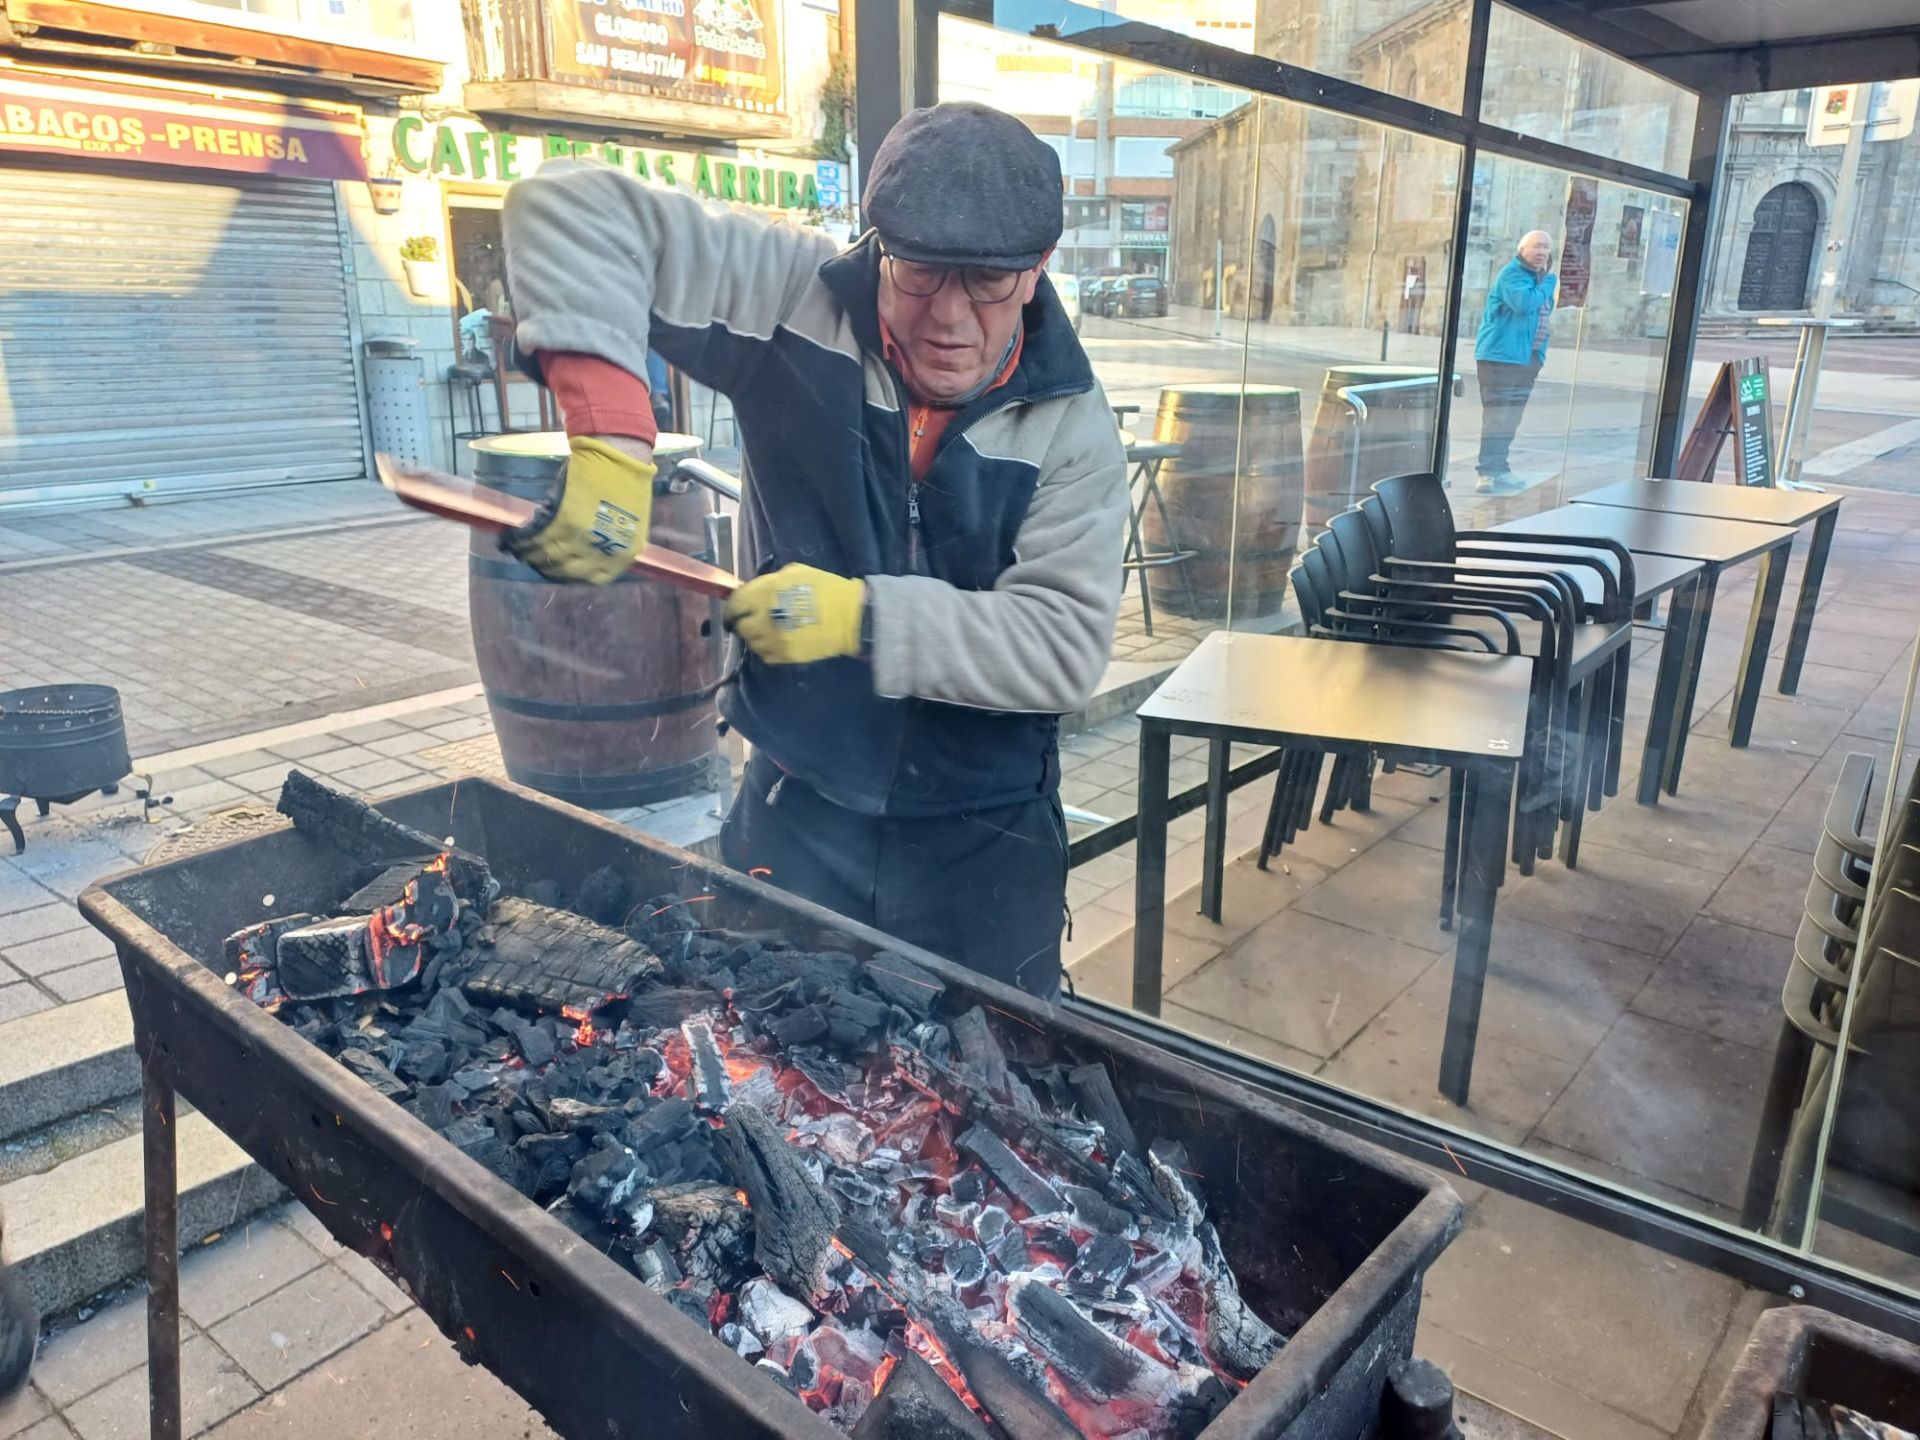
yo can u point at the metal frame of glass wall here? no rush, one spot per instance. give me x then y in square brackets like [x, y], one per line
[897, 69]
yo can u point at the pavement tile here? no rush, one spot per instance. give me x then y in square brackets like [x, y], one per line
[370, 730]
[94, 978]
[20, 1000]
[242, 1267]
[228, 766]
[382, 774]
[368, 1276]
[20, 891]
[464, 729]
[38, 923]
[51, 1428]
[212, 1387]
[404, 1379]
[295, 1328]
[1305, 982]
[1620, 896]
[60, 952]
[1597, 1317]
[305, 746]
[1669, 1103]
[302, 1221]
[24, 1410]
[339, 757]
[1392, 890]
[263, 779]
[1767, 891]
[1722, 980]
[408, 742]
[86, 1356]
[1551, 1411]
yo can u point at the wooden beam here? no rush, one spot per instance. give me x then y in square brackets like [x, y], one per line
[115, 22]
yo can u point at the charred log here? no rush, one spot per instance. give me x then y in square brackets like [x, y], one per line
[538, 958]
[1091, 1360]
[355, 828]
[1239, 1339]
[1093, 1088]
[793, 1217]
[1019, 1179]
[916, 1404]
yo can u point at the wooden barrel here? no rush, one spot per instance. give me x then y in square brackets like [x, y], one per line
[598, 693]
[1397, 438]
[1235, 443]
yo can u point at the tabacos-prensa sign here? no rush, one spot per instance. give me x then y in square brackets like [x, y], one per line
[466, 152]
[49, 115]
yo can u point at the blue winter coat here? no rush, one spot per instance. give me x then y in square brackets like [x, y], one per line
[1514, 306]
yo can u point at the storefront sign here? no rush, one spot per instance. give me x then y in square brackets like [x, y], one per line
[719, 52]
[49, 115]
[453, 151]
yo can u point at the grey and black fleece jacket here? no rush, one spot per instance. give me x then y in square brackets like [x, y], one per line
[991, 584]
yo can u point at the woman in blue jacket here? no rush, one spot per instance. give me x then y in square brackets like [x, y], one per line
[1508, 351]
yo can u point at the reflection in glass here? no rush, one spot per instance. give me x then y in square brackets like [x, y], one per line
[1546, 84]
[1561, 350]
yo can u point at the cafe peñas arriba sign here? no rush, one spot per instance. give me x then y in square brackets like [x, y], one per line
[457, 151]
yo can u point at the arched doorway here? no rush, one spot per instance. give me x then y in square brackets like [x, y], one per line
[1780, 249]
[1266, 257]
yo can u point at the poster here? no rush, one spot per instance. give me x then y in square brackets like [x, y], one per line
[1576, 252]
[1663, 253]
[716, 52]
[1632, 224]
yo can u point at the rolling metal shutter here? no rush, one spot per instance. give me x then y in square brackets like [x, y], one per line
[170, 335]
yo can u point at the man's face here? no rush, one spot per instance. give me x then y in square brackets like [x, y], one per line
[1537, 250]
[951, 341]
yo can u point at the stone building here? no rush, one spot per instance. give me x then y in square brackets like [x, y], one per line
[1776, 202]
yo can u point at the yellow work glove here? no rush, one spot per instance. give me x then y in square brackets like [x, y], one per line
[589, 533]
[797, 615]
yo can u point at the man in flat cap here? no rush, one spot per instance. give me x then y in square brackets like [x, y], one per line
[933, 513]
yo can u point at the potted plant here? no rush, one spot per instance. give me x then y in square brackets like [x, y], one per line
[421, 256]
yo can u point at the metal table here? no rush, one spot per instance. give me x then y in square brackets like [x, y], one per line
[1417, 706]
[1653, 576]
[1717, 545]
[1747, 502]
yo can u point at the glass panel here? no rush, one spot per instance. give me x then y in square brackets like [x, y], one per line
[1562, 350]
[1416, 49]
[1544, 83]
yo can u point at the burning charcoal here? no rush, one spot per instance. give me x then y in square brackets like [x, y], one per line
[658, 1008]
[327, 958]
[535, 1043]
[551, 1158]
[1091, 1212]
[566, 1113]
[855, 1022]
[1122, 1304]
[980, 1049]
[1190, 1411]
[900, 982]
[770, 1313]
[1087, 1357]
[424, 1062]
[605, 1181]
[793, 1216]
[914, 1403]
[1093, 1087]
[1157, 1271]
[1103, 1264]
[690, 1303]
[990, 1224]
[475, 1079]
[778, 1375]
[800, 1026]
[481, 1143]
[432, 1105]
[1240, 1340]
[949, 1211]
[384, 889]
[708, 1086]
[969, 1187]
[375, 1074]
[740, 1340]
[966, 1263]
[1168, 1161]
[1133, 1186]
[659, 1125]
[355, 828]
[838, 1136]
[656, 1267]
[602, 897]
[856, 1354]
[829, 1076]
[857, 1189]
[1050, 1238]
[539, 958]
[1019, 1179]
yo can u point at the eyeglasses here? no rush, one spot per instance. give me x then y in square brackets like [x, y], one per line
[984, 286]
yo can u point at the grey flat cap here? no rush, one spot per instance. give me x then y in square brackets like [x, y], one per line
[963, 184]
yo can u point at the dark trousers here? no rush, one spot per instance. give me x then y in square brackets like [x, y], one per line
[986, 890]
[1504, 390]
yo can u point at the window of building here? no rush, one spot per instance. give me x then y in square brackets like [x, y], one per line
[1143, 155]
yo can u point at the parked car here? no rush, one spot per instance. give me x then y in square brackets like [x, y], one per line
[1093, 294]
[1141, 295]
[1067, 287]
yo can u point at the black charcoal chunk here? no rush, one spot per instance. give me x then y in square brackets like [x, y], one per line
[1019, 1179]
[901, 982]
[605, 1181]
[433, 1106]
[602, 897]
[369, 1069]
[980, 1051]
[966, 1263]
[1104, 1263]
[1089, 1359]
[1093, 1087]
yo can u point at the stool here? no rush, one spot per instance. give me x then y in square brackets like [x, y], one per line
[471, 377]
[1147, 457]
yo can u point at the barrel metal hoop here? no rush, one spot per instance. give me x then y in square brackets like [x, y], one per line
[598, 711]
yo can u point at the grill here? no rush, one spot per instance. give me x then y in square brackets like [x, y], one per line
[1800, 1362]
[1329, 1237]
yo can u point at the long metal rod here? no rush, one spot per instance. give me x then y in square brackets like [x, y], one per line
[163, 1253]
[1717, 1246]
[1690, 277]
[1117, 833]
[1479, 25]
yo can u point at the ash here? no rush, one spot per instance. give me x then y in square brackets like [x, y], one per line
[886, 1203]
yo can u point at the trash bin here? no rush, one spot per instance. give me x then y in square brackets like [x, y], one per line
[397, 398]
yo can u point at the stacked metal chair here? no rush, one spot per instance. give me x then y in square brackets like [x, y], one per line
[1847, 957]
[1394, 570]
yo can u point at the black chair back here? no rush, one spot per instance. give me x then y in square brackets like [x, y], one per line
[1418, 518]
